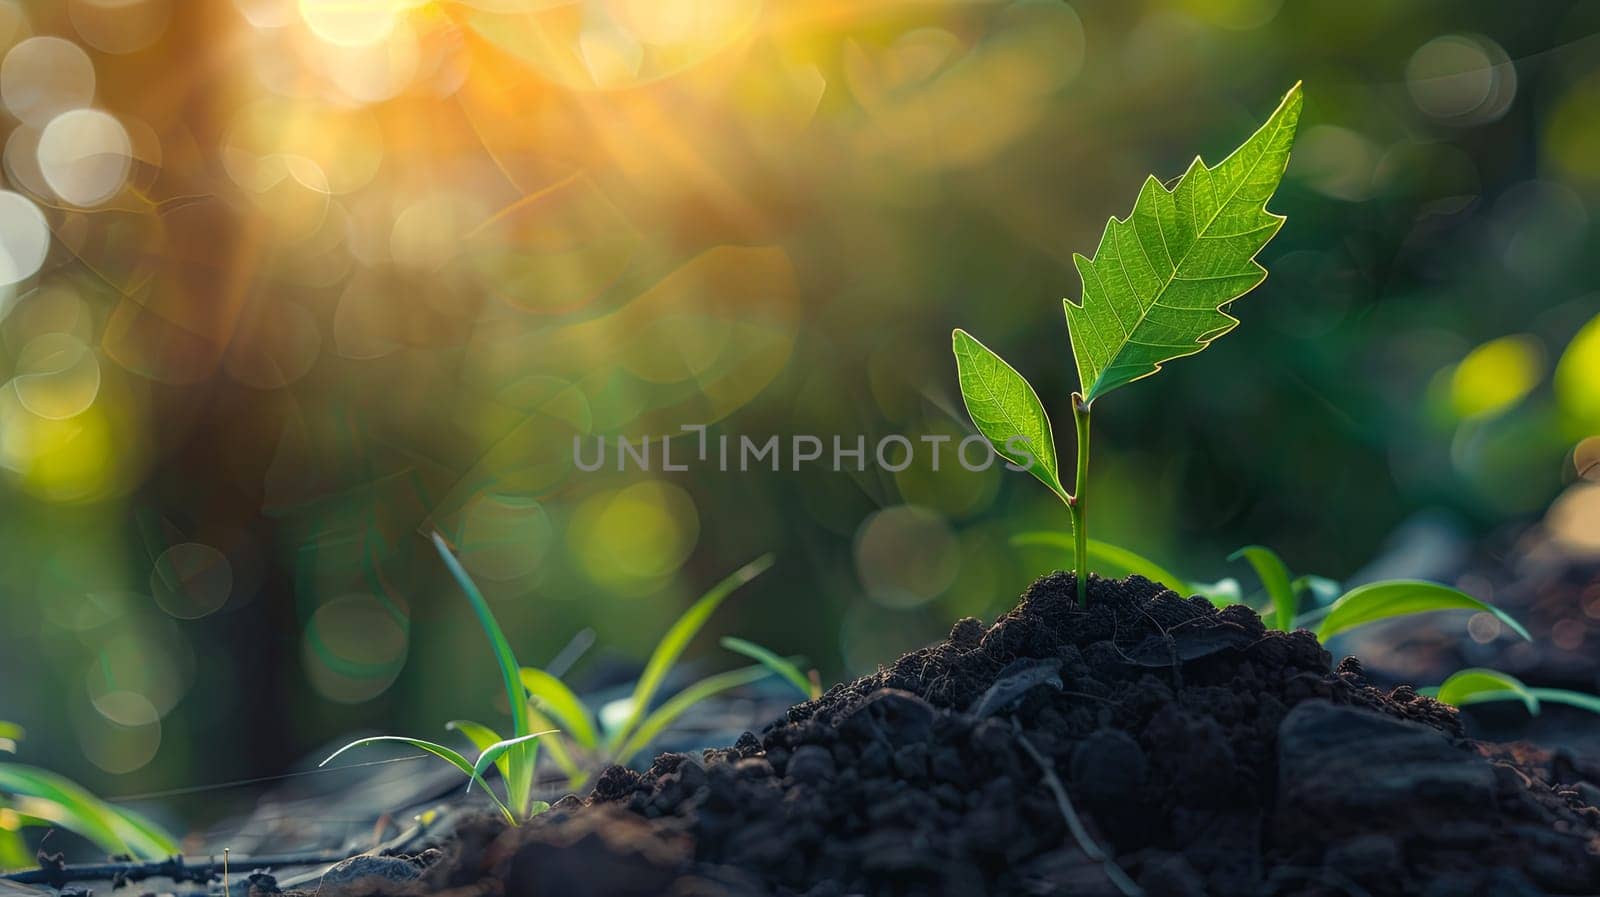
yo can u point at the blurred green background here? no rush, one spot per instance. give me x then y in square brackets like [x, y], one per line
[293, 284]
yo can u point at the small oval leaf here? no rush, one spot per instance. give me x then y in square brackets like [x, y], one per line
[1478, 684]
[1006, 410]
[1402, 597]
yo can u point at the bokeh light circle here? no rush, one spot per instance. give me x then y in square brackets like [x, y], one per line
[112, 746]
[119, 26]
[1586, 458]
[43, 77]
[1574, 519]
[85, 156]
[906, 556]
[505, 537]
[24, 238]
[57, 376]
[350, 23]
[353, 649]
[191, 580]
[1465, 78]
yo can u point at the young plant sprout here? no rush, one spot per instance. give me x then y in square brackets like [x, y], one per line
[1334, 610]
[33, 797]
[542, 706]
[1478, 685]
[514, 757]
[1157, 289]
[587, 741]
[809, 685]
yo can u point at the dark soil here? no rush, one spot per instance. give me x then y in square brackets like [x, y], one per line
[1197, 754]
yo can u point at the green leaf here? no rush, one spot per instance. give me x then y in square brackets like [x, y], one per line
[672, 645]
[1222, 593]
[481, 737]
[769, 659]
[1577, 699]
[680, 703]
[145, 836]
[1478, 684]
[520, 782]
[1107, 559]
[556, 745]
[563, 704]
[495, 752]
[1158, 284]
[1401, 597]
[66, 803]
[1321, 589]
[1274, 575]
[1006, 410]
[449, 755]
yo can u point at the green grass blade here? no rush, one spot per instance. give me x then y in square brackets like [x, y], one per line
[449, 755]
[672, 645]
[495, 751]
[1006, 410]
[481, 737]
[1577, 699]
[1107, 559]
[773, 662]
[679, 703]
[142, 834]
[1402, 597]
[520, 782]
[557, 746]
[563, 704]
[63, 802]
[1477, 684]
[14, 852]
[1274, 575]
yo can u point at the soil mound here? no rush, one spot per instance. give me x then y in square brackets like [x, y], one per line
[1144, 744]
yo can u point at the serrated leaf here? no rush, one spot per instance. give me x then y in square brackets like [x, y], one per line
[1006, 410]
[1402, 597]
[1479, 684]
[1158, 284]
[1274, 576]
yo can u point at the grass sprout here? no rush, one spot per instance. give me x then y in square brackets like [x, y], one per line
[34, 797]
[546, 712]
[586, 742]
[786, 669]
[1480, 685]
[515, 758]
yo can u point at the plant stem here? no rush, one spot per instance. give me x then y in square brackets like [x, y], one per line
[1080, 532]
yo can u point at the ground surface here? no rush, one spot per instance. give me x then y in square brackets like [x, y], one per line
[1147, 744]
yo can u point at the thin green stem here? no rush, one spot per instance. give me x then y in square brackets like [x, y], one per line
[1080, 530]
